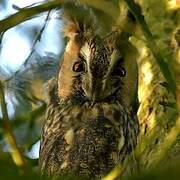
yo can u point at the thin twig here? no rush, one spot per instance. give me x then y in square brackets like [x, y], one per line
[38, 38]
[26, 13]
[28, 116]
[8, 134]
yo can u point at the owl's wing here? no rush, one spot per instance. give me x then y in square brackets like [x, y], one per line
[50, 89]
[52, 101]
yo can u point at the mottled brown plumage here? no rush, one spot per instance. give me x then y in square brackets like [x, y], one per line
[91, 121]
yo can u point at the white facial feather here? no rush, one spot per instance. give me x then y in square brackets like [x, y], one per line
[114, 58]
[68, 46]
[86, 52]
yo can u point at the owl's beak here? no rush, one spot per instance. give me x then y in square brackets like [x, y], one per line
[94, 91]
[95, 97]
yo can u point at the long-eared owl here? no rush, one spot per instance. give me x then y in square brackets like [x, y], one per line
[91, 122]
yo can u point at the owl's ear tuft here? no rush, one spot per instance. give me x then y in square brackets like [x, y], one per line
[50, 89]
[77, 19]
[71, 29]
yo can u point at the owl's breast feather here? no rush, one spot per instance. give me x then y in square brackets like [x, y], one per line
[88, 140]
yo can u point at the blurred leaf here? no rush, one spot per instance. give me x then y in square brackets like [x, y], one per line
[168, 104]
[3, 3]
[9, 170]
[16, 7]
[166, 173]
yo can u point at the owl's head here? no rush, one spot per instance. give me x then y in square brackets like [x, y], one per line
[97, 68]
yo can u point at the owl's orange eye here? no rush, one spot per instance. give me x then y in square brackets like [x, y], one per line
[78, 66]
[119, 71]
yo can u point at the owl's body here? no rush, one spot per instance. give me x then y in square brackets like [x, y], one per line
[91, 123]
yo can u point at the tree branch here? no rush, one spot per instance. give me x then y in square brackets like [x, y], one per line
[26, 13]
[8, 135]
[38, 38]
[163, 65]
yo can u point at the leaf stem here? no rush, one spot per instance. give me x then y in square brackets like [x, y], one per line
[8, 134]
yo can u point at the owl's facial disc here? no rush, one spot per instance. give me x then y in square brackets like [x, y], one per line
[98, 71]
[102, 73]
